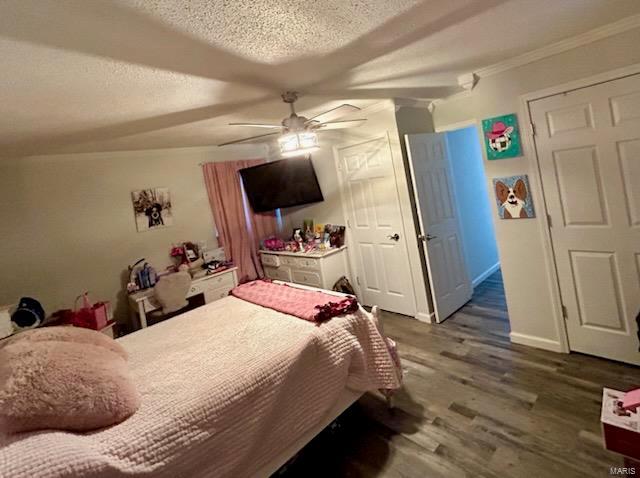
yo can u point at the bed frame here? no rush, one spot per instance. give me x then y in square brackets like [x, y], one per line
[345, 400]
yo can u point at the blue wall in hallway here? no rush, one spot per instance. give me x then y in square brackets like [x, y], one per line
[472, 197]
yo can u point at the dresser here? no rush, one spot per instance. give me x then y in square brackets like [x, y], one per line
[212, 287]
[317, 269]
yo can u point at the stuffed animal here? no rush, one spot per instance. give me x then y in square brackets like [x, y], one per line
[28, 315]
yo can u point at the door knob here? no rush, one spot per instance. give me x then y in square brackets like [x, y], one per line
[428, 237]
[395, 237]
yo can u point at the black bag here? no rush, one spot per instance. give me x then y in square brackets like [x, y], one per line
[343, 285]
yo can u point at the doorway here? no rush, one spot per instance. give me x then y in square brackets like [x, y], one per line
[376, 227]
[588, 150]
[453, 203]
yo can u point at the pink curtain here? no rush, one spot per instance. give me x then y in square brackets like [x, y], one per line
[239, 228]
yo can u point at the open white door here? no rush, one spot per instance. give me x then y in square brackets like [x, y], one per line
[376, 227]
[439, 226]
[588, 143]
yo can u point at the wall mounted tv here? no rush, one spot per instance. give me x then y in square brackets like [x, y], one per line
[284, 183]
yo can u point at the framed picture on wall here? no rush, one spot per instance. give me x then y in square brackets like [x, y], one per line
[514, 197]
[152, 208]
[502, 137]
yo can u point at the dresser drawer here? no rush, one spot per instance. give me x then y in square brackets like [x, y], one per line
[289, 261]
[307, 278]
[278, 273]
[270, 260]
[216, 294]
[211, 283]
[301, 262]
[308, 263]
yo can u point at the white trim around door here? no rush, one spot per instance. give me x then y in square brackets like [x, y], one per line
[537, 190]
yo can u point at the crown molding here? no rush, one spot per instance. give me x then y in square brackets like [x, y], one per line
[567, 44]
[552, 49]
[455, 96]
[384, 104]
[468, 81]
[412, 102]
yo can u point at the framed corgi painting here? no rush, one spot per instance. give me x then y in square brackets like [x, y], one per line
[514, 197]
[502, 137]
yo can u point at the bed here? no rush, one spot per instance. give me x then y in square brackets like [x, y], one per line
[230, 389]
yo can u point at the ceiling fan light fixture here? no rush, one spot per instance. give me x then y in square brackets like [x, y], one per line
[299, 133]
[298, 144]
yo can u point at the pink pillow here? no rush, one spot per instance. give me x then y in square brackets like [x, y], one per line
[68, 334]
[63, 385]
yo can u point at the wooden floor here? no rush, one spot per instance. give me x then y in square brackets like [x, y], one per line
[474, 405]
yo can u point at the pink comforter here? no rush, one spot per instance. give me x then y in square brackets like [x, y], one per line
[225, 388]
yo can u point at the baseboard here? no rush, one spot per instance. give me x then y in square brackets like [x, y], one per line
[485, 274]
[428, 318]
[537, 342]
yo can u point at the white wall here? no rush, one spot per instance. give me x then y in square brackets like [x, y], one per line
[472, 198]
[533, 308]
[329, 211]
[67, 222]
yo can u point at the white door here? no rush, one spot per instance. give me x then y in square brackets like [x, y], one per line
[376, 227]
[438, 216]
[588, 143]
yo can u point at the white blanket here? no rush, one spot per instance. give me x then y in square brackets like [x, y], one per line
[225, 388]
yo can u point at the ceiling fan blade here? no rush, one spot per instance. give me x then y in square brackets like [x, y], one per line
[333, 114]
[340, 124]
[257, 125]
[235, 141]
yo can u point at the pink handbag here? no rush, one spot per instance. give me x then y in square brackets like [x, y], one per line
[90, 316]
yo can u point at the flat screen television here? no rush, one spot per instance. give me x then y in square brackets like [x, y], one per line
[284, 183]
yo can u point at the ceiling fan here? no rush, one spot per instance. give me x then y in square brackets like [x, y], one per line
[297, 133]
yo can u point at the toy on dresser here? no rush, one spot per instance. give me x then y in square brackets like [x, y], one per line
[308, 238]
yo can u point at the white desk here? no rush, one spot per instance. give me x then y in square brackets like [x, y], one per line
[213, 287]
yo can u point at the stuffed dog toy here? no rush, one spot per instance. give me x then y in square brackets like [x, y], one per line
[512, 199]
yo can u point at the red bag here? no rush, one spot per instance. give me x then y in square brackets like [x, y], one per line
[90, 316]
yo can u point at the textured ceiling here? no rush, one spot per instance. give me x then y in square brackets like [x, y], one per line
[94, 75]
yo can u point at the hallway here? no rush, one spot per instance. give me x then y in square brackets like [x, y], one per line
[489, 295]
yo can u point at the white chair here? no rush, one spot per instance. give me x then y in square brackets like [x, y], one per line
[171, 292]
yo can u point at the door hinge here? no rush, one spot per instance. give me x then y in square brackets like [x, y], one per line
[564, 312]
[532, 128]
[549, 220]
